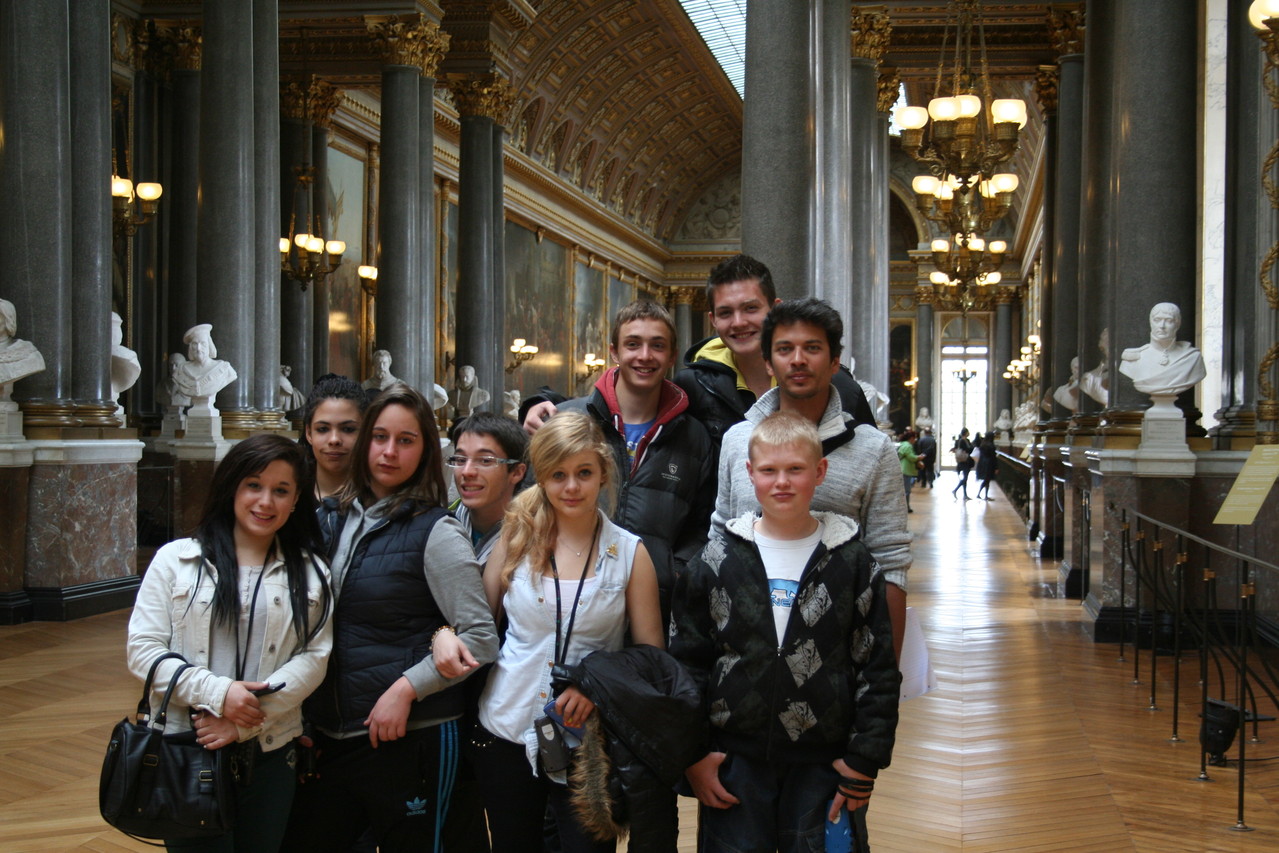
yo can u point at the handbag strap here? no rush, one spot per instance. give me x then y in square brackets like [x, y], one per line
[162, 714]
[144, 705]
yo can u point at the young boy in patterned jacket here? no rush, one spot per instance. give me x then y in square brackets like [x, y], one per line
[783, 620]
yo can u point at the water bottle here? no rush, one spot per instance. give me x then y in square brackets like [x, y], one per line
[839, 833]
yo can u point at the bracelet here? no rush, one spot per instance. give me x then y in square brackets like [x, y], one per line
[437, 633]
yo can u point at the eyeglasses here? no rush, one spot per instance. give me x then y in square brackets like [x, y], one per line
[478, 461]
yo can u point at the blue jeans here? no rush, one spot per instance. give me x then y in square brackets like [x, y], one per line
[782, 808]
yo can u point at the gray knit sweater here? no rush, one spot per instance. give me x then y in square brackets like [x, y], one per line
[863, 481]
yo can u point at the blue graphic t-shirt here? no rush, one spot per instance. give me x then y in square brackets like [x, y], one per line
[784, 561]
[635, 434]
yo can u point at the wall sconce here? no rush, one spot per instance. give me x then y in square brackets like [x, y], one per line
[593, 366]
[522, 351]
[368, 279]
[127, 216]
[308, 262]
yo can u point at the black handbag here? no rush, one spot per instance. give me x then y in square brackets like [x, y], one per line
[166, 786]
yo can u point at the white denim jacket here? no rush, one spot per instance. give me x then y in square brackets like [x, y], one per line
[166, 619]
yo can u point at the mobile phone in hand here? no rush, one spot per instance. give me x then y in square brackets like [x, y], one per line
[269, 689]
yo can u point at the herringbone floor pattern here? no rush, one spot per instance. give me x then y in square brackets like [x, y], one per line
[1036, 739]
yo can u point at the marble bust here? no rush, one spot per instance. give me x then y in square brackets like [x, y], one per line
[1096, 382]
[1164, 365]
[1026, 417]
[511, 403]
[290, 397]
[202, 374]
[1067, 394]
[125, 368]
[166, 391]
[382, 377]
[18, 358]
[925, 419]
[1004, 422]
[466, 397]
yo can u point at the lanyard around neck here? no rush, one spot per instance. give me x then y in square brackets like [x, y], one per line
[242, 662]
[562, 653]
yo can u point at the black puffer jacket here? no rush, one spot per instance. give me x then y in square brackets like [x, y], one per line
[716, 401]
[383, 621]
[667, 494]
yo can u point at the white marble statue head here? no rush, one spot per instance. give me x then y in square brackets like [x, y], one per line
[1074, 369]
[285, 370]
[200, 346]
[381, 363]
[175, 360]
[1165, 320]
[1103, 342]
[466, 377]
[8, 321]
[923, 412]
[117, 330]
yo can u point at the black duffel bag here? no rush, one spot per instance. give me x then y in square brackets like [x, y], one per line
[166, 786]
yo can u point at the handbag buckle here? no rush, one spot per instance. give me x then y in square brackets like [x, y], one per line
[206, 775]
[150, 759]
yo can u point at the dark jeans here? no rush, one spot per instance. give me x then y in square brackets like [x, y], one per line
[782, 808]
[401, 789]
[262, 808]
[963, 481]
[516, 802]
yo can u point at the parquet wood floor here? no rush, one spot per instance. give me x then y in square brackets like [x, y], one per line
[1036, 739]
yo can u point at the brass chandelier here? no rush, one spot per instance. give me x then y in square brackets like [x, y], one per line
[961, 142]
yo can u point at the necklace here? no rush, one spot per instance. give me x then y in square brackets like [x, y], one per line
[578, 551]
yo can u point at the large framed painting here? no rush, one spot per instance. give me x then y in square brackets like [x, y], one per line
[537, 309]
[620, 294]
[590, 326]
[348, 210]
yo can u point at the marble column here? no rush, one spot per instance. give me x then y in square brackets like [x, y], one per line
[295, 332]
[1057, 313]
[323, 284]
[35, 198]
[181, 195]
[1155, 220]
[683, 312]
[924, 349]
[865, 310]
[1097, 199]
[399, 220]
[91, 261]
[266, 212]
[143, 319]
[427, 331]
[1248, 112]
[225, 253]
[499, 330]
[1003, 351]
[841, 96]
[777, 157]
[1066, 220]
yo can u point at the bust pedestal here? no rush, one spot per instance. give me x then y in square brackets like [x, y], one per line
[1163, 451]
[204, 421]
[173, 421]
[10, 419]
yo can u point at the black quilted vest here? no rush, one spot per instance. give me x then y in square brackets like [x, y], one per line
[383, 622]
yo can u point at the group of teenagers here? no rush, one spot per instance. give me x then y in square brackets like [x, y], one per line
[395, 672]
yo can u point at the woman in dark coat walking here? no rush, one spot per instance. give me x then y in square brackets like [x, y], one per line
[986, 467]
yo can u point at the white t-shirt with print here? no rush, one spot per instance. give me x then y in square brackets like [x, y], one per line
[784, 562]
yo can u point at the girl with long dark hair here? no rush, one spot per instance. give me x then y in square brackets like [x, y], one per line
[404, 574]
[248, 603]
[330, 423]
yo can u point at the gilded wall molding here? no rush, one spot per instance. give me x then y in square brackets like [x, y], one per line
[1046, 88]
[410, 40]
[889, 89]
[1066, 29]
[871, 30]
[924, 294]
[187, 46]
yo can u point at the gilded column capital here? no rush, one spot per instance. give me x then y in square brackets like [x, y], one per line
[925, 294]
[685, 294]
[1066, 28]
[315, 100]
[1007, 295]
[1046, 88]
[871, 31]
[186, 44]
[890, 83]
[408, 40]
[485, 95]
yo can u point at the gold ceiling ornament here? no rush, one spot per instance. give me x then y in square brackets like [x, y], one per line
[871, 29]
[1264, 16]
[1046, 79]
[188, 46]
[889, 88]
[1066, 29]
[408, 40]
[312, 99]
